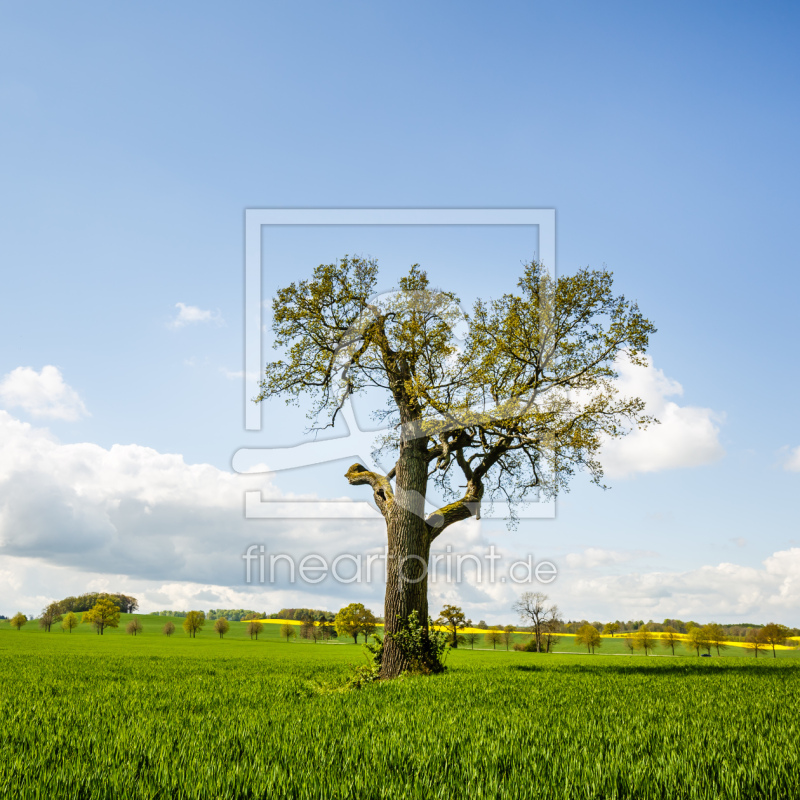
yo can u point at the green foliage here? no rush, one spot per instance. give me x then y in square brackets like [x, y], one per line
[18, 620]
[453, 617]
[103, 615]
[355, 619]
[85, 602]
[425, 648]
[221, 626]
[193, 622]
[70, 622]
[134, 627]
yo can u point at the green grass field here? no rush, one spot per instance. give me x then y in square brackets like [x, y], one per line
[85, 716]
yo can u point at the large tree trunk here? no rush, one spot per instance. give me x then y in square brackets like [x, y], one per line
[409, 547]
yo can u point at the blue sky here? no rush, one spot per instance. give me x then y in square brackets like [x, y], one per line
[133, 139]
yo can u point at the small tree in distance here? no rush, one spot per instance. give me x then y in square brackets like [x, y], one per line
[221, 626]
[453, 618]
[670, 638]
[18, 620]
[104, 615]
[288, 632]
[533, 607]
[629, 645]
[755, 640]
[645, 639]
[169, 628]
[133, 627]
[70, 621]
[508, 635]
[697, 639]
[715, 634]
[470, 638]
[493, 636]
[774, 634]
[589, 636]
[193, 622]
[610, 629]
[49, 617]
[254, 628]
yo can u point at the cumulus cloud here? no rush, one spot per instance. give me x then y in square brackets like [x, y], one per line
[42, 394]
[134, 511]
[724, 592]
[688, 436]
[190, 314]
[792, 461]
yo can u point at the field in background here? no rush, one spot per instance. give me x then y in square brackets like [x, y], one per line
[85, 716]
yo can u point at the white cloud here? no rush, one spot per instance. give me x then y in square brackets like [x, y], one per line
[723, 592]
[688, 436]
[190, 314]
[792, 462]
[134, 511]
[41, 394]
[594, 557]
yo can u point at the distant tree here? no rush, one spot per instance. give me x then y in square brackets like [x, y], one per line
[549, 630]
[630, 646]
[469, 638]
[288, 631]
[70, 621]
[306, 628]
[169, 628]
[534, 608]
[355, 619]
[133, 627]
[254, 628]
[193, 622]
[493, 637]
[104, 614]
[756, 640]
[221, 626]
[49, 617]
[326, 630]
[696, 639]
[508, 635]
[18, 620]
[611, 628]
[589, 636]
[716, 636]
[775, 634]
[670, 638]
[453, 618]
[645, 639]
[482, 625]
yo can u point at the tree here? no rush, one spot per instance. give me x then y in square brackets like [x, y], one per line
[49, 616]
[610, 629]
[525, 402]
[18, 620]
[630, 645]
[221, 626]
[493, 636]
[254, 627]
[193, 622]
[533, 607]
[670, 638]
[169, 628]
[326, 630]
[70, 621]
[288, 631]
[104, 615]
[644, 639]
[508, 635]
[453, 617]
[697, 639]
[133, 627]
[307, 628]
[470, 637]
[775, 634]
[355, 619]
[589, 635]
[756, 640]
[716, 636]
[549, 631]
